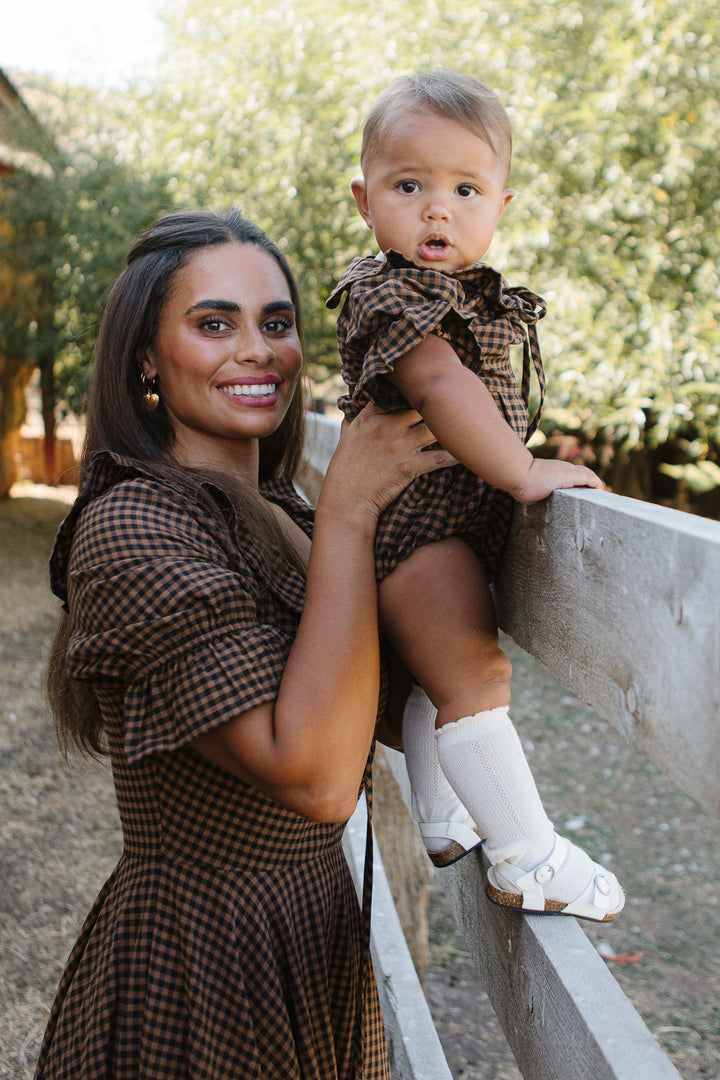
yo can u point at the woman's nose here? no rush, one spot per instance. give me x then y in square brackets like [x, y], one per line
[254, 348]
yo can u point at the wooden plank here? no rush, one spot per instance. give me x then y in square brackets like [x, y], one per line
[322, 434]
[620, 600]
[563, 1014]
[592, 582]
[414, 1048]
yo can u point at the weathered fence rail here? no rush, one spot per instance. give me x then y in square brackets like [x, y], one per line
[620, 600]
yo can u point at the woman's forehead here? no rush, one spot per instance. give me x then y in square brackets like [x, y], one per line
[231, 272]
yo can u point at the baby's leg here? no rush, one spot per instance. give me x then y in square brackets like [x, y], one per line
[437, 609]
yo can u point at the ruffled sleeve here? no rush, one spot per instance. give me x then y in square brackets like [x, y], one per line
[391, 306]
[170, 617]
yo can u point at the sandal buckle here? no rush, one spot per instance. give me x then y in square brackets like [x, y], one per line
[544, 874]
[602, 885]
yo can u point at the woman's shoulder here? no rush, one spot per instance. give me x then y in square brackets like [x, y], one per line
[121, 511]
[117, 491]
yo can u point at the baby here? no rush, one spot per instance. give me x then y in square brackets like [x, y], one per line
[425, 324]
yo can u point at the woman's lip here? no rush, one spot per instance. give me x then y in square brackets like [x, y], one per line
[251, 380]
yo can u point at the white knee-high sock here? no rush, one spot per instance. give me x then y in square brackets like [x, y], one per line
[432, 797]
[483, 759]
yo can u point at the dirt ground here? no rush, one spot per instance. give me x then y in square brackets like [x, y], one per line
[59, 838]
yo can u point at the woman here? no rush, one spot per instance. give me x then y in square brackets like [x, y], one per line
[233, 672]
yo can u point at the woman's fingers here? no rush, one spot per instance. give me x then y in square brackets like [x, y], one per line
[379, 454]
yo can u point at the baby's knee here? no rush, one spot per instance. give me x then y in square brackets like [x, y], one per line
[495, 666]
[479, 661]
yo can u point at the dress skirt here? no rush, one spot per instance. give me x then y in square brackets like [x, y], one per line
[227, 944]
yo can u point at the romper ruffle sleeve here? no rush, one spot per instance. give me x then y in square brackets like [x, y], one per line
[392, 304]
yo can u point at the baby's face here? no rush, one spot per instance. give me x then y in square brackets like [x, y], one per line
[433, 191]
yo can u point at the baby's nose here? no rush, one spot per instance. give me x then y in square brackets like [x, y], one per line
[437, 206]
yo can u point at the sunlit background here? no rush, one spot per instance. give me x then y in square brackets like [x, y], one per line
[141, 107]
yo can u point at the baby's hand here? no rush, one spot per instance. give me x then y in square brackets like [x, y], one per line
[546, 475]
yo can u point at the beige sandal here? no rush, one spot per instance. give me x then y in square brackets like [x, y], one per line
[601, 900]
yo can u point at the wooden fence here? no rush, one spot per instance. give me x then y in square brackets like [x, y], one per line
[620, 600]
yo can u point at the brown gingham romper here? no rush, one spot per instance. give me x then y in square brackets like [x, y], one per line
[228, 943]
[392, 304]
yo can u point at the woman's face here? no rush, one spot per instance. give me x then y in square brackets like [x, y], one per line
[226, 354]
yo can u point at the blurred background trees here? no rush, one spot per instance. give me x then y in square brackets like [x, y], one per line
[616, 219]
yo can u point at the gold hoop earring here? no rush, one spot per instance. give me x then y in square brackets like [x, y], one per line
[151, 399]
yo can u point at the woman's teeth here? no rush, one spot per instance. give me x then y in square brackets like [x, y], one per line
[249, 390]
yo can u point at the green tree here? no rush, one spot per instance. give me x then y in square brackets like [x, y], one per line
[66, 226]
[620, 222]
[616, 218]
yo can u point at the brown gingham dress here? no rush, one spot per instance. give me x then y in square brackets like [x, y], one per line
[391, 305]
[228, 943]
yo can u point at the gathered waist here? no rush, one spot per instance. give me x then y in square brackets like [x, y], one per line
[178, 806]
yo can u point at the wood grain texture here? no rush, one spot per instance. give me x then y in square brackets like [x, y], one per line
[620, 600]
[413, 1045]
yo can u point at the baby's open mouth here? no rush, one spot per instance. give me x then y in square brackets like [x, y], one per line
[434, 248]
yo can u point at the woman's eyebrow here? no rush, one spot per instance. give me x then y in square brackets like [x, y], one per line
[231, 306]
[213, 305]
[278, 305]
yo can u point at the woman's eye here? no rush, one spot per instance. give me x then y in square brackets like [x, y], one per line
[408, 187]
[215, 326]
[466, 190]
[277, 326]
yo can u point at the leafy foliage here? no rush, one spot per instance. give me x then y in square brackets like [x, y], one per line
[615, 220]
[67, 228]
[616, 217]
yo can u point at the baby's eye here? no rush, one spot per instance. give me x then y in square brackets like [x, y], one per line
[408, 187]
[466, 191]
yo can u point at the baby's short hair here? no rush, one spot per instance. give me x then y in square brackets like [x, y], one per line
[446, 93]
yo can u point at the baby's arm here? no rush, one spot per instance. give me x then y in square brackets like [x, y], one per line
[462, 414]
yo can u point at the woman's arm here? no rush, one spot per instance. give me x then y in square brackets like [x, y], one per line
[308, 748]
[458, 407]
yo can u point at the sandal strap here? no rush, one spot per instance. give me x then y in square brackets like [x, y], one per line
[450, 830]
[596, 897]
[530, 882]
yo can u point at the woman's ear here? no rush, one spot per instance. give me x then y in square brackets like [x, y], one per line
[147, 364]
[359, 190]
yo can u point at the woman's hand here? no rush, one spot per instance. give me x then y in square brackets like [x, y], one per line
[378, 454]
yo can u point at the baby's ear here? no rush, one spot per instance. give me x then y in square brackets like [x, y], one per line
[507, 195]
[359, 190]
